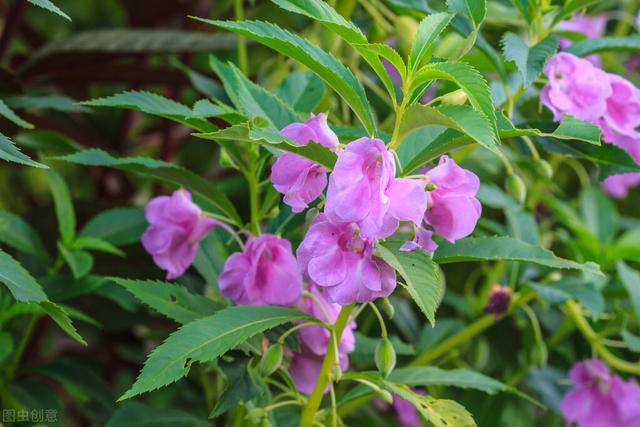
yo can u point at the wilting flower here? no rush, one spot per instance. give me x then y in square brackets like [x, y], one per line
[176, 228]
[305, 364]
[499, 299]
[576, 87]
[599, 398]
[363, 189]
[453, 210]
[299, 179]
[264, 273]
[338, 258]
[591, 26]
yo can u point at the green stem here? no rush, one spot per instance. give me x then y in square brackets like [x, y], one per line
[467, 333]
[33, 320]
[243, 59]
[208, 395]
[254, 198]
[310, 409]
[395, 137]
[383, 327]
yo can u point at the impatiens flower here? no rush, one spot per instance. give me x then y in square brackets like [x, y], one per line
[337, 257]
[363, 189]
[305, 364]
[423, 239]
[406, 413]
[599, 398]
[576, 87]
[264, 273]
[623, 109]
[299, 179]
[619, 185]
[453, 210]
[176, 228]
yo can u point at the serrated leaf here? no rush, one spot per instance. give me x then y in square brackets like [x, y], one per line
[50, 6]
[63, 205]
[21, 284]
[119, 226]
[249, 132]
[11, 153]
[458, 117]
[250, 99]
[170, 300]
[302, 90]
[49, 102]
[506, 249]
[423, 279]
[162, 171]
[10, 115]
[530, 60]
[80, 262]
[428, 31]
[475, 10]
[137, 414]
[467, 78]
[157, 105]
[320, 62]
[207, 339]
[630, 279]
[61, 317]
[19, 234]
[575, 129]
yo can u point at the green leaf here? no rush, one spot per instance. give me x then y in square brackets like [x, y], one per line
[428, 31]
[572, 288]
[574, 129]
[6, 346]
[96, 244]
[80, 262]
[11, 153]
[162, 171]
[630, 279]
[320, 62]
[422, 277]
[137, 414]
[49, 102]
[10, 115]
[154, 104]
[61, 317]
[475, 10]
[587, 47]
[627, 246]
[529, 59]
[19, 234]
[506, 249]
[599, 213]
[49, 143]
[464, 378]
[172, 301]
[458, 117]
[631, 340]
[250, 132]
[207, 339]
[119, 226]
[569, 7]
[48, 4]
[21, 284]
[250, 99]
[467, 78]
[240, 386]
[63, 205]
[302, 90]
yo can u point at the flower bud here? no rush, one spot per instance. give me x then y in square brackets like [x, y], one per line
[271, 359]
[499, 299]
[543, 168]
[385, 395]
[388, 308]
[385, 357]
[406, 29]
[457, 97]
[516, 188]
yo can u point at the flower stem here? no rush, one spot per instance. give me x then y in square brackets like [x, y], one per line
[26, 336]
[243, 59]
[309, 411]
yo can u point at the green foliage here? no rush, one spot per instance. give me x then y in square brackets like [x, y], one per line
[529, 59]
[120, 226]
[64, 206]
[50, 6]
[10, 153]
[136, 414]
[428, 31]
[21, 284]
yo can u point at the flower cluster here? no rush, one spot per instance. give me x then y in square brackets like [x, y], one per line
[579, 88]
[599, 398]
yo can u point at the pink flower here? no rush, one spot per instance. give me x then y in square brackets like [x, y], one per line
[453, 208]
[423, 239]
[335, 256]
[176, 228]
[264, 273]
[600, 399]
[623, 109]
[576, 87]
[619, 185]
[299, 179]
[363, 189]
[406, 413]
[591, 26]
[305, 365]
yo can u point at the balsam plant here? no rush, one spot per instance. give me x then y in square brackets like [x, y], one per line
[360, 227]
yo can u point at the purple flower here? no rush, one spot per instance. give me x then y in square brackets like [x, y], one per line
[576, 87]
[299, 179]
[619, 185]
[623, 109]
[406, 413]
[363, 189]
[423, 239]
[453, 210]
[264, 273]
[305, 367]
[337, 257]
[499, 300]
[599, 398]
[176, 228]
